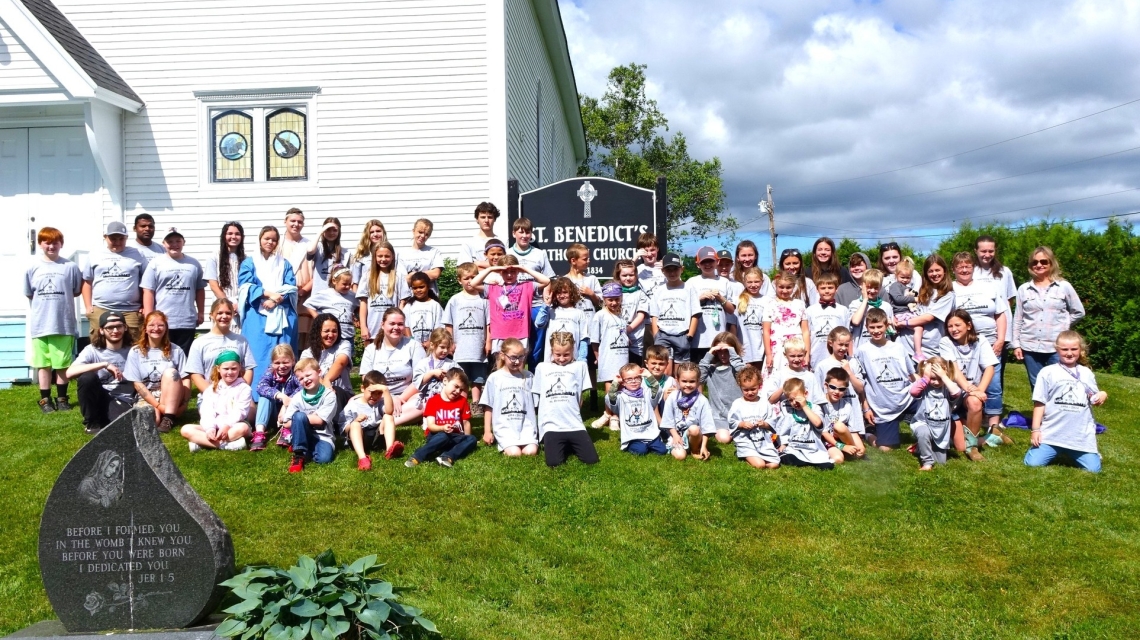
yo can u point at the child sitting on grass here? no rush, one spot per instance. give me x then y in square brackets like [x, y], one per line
[311, 416]
[1063, 399]
[365, 414]
[274, 391]
[719, 368]
[429, 373]
[842, 414]
[636, 410]
[801, 430]
[751, 418]
[224, 408]
[447, 423]
[933, 393]
[509, 420]
[688, 418]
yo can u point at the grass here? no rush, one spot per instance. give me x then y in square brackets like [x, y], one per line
[652, 548]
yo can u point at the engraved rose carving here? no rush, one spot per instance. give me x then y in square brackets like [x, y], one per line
[94, 602]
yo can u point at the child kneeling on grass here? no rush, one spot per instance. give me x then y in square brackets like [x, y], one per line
[510, 417]
[801, 430]
[364, 415]
[933, 393]
[225, 405]
[1062, 408]
[636, 409]
[558, 386]
[688, 416]
[447, 423]
[311, 415]
[750, 419]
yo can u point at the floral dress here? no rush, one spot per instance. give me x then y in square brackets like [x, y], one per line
[785, 317]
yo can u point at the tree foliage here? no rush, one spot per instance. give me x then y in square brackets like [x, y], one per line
[625, 142]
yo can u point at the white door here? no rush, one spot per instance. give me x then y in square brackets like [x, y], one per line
[47, 179]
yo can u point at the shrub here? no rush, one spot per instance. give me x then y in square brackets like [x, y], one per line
[319, 599]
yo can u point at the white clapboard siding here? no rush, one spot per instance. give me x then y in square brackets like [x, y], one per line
[401, 124]
[530, 75]
[19, 71]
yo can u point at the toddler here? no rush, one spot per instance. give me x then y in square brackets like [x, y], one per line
[688, 419]
[509, 420]
[750, 419]
[447, 424]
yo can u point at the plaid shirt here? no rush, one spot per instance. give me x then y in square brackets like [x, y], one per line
[1043, 314]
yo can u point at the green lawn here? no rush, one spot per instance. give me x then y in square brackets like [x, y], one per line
[653, 548]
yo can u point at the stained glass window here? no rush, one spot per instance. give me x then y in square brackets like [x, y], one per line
[285, 137]
[233, 153]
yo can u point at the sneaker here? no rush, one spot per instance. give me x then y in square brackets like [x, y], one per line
[166, 424]
[46, 406]
[601, 422]
[194, 447]
[62, 404]
[477, 411]
[444, 461]
[615, 423]
[364, 464]
[234, 445]
[285, 438]
[258, 443]
[297, 465]
[93, 428]
[412, 462]
[394, 451]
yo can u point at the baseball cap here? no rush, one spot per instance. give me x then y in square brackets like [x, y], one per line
[111, 316]
[723, 254]
[115, 228]
[173, 231]
[671, 260]
[611, 290]
[706, 253]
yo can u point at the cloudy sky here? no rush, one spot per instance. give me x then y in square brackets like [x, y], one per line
[805, 94]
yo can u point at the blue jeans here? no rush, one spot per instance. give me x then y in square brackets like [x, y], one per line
[887, 433]
[1035, 362]
[1045, 454]
[446, 445]
[994, 393]
[537, 339]
[644, 447]
[307, 444]
[267, 410]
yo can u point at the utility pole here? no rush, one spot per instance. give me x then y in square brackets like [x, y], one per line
[769, 207]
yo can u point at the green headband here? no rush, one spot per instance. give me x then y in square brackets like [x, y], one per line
[226, 356]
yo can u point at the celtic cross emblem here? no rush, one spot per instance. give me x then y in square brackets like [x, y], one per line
[586, 194]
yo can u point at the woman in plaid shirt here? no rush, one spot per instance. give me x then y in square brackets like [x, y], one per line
[1046, 306]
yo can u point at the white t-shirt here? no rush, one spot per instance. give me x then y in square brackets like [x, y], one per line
[396, 363]
[381, 301]
[1068, 420]
[700, 415]
[426, 259]
[341, 305]
[674, 308]
[468, 315]
[972, 360]
[569, 319]
[984, 304]
[755, 442]
[116, 357]
[325, 408]
[423, 318]
[829, 363]
[631, 305]
[887, 370]
[713, 316]
[513, 419]
[370, 416]
[558, 390]
[932, 409]
[637, 415]
[154, 250]
[431, 387]
[650, 279]
[328, 358]
[800, 437]
[847, 411]
[474, 249]
[210, 272]
[148, 368]
[933, 331]
[780, 376]
[859, 333]
[1005, 285]
[536, 260]
[586, 305]
[608, 331]
[52, 286]
[821, 320]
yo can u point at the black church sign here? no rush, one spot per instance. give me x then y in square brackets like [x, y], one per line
[605, 215]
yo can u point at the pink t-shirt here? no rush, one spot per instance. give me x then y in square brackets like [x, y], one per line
[510, 309]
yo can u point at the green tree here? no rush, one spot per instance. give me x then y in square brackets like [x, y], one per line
[624, 142]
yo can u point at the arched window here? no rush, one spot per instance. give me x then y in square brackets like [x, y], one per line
[286, 155]
[233, 149]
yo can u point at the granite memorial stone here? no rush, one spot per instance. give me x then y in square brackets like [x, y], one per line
[125, 542]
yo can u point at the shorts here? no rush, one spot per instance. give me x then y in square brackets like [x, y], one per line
[497, 344]
[476, 372]
[678, 345]
[56, 352]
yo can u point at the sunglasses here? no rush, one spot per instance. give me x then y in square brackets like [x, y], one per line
[789, 252]
[888, 246]
[835, 388]
[1040, 263]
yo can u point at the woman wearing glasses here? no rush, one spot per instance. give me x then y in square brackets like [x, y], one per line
[1046, 306]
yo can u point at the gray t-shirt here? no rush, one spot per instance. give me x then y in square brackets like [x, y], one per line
[933, 331]
[637, 415]
[328, 358]
[800, 437]
[783, 374]
[846, 411]
[755, 442]
[674, 308]
[52, 286]
[972, 359]
[859, 333]
[396, 363]
[984, 304]
[887, 372]
[932, 409]
[558, 391]
[608, 331]
[370, 416]
[381, 302]
[322, 264]
[426, 259]
[210, 272]
[720, 380]
[207, 346]
[568, 319]
[148, 367]
[631, 305]
[1004, 284]
[586, 305]
[115, 278]
[150, 252]
[435, 385]
[325, 408]
[751, 323]
[537, 261]
[699, 415]
[829, 363]
[423, 318]
[821, 320]
[341, 305]
[117, 357]
[509, 398]
[175, 284]
[467, 315]
[1068, 420]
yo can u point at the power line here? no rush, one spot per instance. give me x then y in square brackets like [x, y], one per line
[961, 186]
[962, 153]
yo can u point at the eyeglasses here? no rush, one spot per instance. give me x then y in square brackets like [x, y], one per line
[835, 388]
[1040, 263]
[888, 246]
[115, 327]
[515, 358]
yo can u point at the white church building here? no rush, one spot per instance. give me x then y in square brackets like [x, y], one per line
[199, 112]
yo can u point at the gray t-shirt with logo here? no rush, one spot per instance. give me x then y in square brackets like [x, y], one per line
[558, 391]
[175, 284]
[509, 398]
[118, 357]
[467, 316]
[115, 278]
[148, 367]
[52, 286]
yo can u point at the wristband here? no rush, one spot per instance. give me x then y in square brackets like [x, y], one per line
[839, 445]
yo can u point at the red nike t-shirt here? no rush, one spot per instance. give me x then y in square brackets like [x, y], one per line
[447, 414]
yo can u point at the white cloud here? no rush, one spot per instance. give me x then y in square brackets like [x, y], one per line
[815, 91]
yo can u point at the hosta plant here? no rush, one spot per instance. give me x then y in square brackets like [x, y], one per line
[319, 599]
